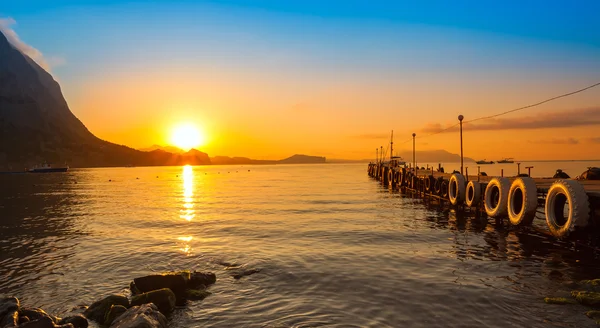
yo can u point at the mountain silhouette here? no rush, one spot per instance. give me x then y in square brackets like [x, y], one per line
[36, 124]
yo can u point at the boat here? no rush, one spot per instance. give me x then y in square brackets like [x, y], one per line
[506, 160]
[45, 168]
[397, 161]
[484, 162]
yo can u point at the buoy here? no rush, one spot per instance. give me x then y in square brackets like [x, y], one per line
[522, 201]
[496, 197]
[572, 194]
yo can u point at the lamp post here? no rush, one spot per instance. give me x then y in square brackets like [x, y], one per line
[460, 118]
[414, 157]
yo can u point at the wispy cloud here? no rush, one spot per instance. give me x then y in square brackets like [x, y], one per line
[555, 141]
[559, 119]
[33, 53]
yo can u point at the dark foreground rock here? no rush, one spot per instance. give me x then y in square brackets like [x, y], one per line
[143, 316]
[11, 319]
[177, 282]
[97, 311]
[44, 322]
[36, 313]
[8, 305]
[164, 299]
[587, 298]
[114, 312]
[78, 321]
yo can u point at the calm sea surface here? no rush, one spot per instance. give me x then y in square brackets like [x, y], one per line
[333, 247]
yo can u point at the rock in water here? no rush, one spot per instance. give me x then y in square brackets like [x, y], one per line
[97, 311]
[559, 300]
[175, 281]
[143, 316]
[35, 314]
[114, 312]
[198, 279]
[78, 321]
[164, 299]
[10, 320]
[44, 322]
[587, 298]
[8, 305]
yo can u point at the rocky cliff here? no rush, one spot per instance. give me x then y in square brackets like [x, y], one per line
[36, 124]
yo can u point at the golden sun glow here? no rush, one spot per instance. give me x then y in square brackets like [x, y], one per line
[187, 136]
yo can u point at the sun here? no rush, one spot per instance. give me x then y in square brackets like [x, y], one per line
[187, 136]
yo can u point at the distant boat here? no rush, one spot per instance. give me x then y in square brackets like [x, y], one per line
[506, 160]
[485, 162]
[45, 168]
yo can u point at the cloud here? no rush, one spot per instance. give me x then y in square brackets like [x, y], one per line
[559, 119]
[33, 53]
[554, 141]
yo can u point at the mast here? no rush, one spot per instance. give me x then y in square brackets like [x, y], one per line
[381, 154]
[392, 147]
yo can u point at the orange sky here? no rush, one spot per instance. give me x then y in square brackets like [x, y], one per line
[267, 83]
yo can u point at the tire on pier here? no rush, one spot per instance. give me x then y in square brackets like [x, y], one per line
[444, 189]
[437, 187]
[522, 202]
[402, 177]
[391, 176]
[429, 183]
[496, 197]
[473, 194]
[456, 189]
[572, 194]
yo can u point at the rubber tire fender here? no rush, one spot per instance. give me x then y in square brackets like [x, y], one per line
[501, 209]
[579, 207]
[437, 187]
[522, 190]
[444, 189]
[456, 189]
[475, 186]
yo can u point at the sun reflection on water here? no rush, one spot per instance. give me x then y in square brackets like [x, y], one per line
[188, 212]
[185, 247]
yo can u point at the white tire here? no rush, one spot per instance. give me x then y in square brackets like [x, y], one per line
[496, 197]
[456, 189]
[473, 193]
[522, 201]
[561, 193]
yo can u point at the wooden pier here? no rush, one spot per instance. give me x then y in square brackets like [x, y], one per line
[569, 206]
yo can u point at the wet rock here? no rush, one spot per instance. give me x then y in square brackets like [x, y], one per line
[197, 294]
[593, 315]
[198, 279]
[164, 299]
[97, 311]
[36, 314]
[43, 322]
[238, 274]
[114, 312]
[587, 298]
[23, 319]
[8, 305]
[592, 285]
[143, 316]
[10, 319]
[175, 281]
[78, 321]
[559, 300]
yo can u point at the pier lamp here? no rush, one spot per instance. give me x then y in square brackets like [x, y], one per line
[414, 157]
[460, 119]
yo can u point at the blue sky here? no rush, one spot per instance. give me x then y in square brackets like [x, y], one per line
[407, 60]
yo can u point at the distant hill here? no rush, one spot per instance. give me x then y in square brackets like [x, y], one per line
[302, 159]
[169, 149]
[295, 159]
[36, 124]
